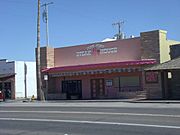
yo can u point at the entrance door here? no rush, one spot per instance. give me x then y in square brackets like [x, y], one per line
[6, 86]
[97, 88]
[72, 88]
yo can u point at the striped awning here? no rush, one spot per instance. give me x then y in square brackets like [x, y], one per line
[103, 66]
[96, 71]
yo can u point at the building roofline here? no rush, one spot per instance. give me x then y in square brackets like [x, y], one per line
[97, 43]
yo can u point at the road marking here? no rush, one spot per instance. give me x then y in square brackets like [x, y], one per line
[92, 122]
[95, 113]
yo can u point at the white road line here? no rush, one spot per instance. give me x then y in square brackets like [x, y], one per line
[92, 122]
[95, 113]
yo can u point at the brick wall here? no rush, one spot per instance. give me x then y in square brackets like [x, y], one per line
[153, 90]
[150, 45]
[154, 45]
[47, 57]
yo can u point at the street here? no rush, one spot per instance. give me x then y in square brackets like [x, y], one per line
[89, 118]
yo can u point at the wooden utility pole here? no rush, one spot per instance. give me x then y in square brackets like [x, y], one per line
[40, 93]
[25, 79]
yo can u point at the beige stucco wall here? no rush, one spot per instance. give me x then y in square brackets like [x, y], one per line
[173, 42]
[165, 46]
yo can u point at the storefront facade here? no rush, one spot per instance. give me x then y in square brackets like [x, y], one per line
[102, 70]
[164, 79]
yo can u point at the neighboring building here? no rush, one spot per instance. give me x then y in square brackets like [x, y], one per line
[18, 78]
[113, 69]
[167, 84]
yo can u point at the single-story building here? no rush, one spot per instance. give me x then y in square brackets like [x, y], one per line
[102, 70]
[163, 80]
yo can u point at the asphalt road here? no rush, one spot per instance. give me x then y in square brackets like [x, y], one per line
[89, 119]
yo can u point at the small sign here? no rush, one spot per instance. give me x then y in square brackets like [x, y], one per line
[109, 82]
[151, 77]
[45, 77]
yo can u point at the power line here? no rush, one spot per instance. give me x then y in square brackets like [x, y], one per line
[45, 20]
[119, 24]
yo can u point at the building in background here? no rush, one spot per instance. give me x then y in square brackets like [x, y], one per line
[112, 69]
[18, 79]
[167, 76]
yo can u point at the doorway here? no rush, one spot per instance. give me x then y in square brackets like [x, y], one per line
[6, 87]
[72, 88]
[97, 88]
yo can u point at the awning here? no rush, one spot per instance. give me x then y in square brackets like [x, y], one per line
[4, 77]
[101, 65]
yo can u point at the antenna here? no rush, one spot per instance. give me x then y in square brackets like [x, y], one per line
[119, 35]
[45, 20]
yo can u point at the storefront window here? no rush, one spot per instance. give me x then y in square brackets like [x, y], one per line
[116, 82]
[129, 83]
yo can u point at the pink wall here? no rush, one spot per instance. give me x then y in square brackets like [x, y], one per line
[113, 51]
[110, 91]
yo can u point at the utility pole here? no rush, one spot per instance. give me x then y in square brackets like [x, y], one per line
[119, 24]
[40, 94]
[45, 20]
[25, 79]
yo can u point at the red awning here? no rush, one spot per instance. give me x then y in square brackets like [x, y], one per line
[101, 65]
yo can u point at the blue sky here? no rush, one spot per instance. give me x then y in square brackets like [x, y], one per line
[73, 22]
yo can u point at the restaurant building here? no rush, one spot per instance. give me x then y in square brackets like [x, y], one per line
[103, 70]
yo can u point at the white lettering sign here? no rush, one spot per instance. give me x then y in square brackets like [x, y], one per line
[96, 49]
[83, 53]
[108, 50]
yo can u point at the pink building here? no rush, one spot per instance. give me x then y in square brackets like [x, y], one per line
[113, 69]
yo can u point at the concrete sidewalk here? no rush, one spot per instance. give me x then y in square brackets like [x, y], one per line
[99, 100]
[156, 101]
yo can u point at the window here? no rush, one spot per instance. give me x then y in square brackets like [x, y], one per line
[127, 83]
[116, 82]
[71, 86]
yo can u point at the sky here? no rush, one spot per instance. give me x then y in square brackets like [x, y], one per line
[75, 22]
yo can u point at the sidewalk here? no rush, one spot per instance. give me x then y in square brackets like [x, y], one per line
[156, 101]
[99, 100]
